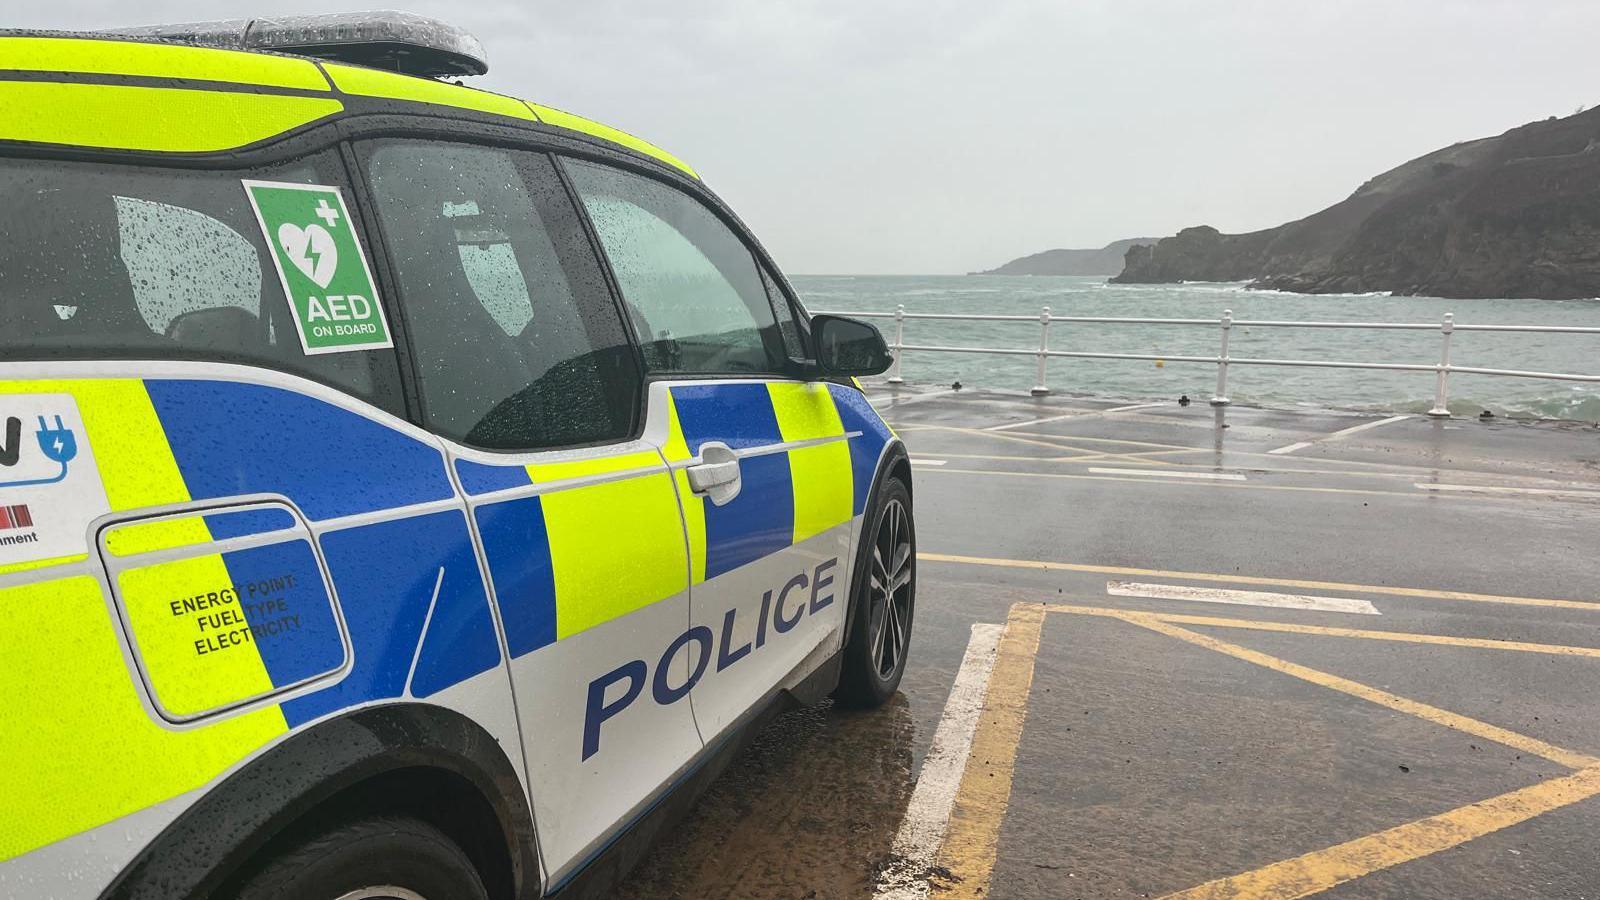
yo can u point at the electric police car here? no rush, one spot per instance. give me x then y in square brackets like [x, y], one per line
[404, 489]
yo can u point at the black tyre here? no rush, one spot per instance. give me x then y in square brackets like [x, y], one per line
[884, 601]
[381, 858]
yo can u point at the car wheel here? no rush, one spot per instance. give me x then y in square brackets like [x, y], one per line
[884, 601]
[381, 858]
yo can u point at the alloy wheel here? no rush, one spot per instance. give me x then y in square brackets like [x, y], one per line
[889, 593]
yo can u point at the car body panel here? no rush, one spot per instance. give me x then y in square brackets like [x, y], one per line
[607, 626]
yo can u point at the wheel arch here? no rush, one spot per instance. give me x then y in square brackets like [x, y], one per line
[893, 462]
[410, 758]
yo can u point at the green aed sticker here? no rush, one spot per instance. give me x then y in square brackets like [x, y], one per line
[320, 263]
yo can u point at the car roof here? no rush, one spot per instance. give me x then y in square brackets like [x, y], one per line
[130, 94]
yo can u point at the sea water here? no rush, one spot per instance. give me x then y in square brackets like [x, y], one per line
[1359, 389]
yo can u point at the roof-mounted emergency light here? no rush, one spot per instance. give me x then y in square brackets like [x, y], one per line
[398, 41]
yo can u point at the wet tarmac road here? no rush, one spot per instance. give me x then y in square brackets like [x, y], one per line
[1258, 732]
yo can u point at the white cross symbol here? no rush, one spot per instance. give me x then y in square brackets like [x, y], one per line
[327, 213]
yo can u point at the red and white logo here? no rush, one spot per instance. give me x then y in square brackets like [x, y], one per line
[15, 517]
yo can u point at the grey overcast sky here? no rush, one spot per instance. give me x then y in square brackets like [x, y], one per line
[932, 136]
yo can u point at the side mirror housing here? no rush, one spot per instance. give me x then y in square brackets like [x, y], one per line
[849, 346]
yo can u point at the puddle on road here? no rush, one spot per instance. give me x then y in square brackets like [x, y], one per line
[809, 810]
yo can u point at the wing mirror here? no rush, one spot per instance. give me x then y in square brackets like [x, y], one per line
[849, 346]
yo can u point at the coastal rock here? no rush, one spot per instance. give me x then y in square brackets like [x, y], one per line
[1516, 215]
[1106, 260]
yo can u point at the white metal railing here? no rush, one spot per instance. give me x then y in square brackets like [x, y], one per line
[1223, 360]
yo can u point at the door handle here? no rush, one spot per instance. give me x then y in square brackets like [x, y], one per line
[717, 474]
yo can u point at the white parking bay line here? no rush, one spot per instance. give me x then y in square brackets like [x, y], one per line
[1163, 473]
[918, 461]
[898, 400]
[916, 845]
[1501, 489]
[1240, 598]
[1343, 432]
[1073, 415]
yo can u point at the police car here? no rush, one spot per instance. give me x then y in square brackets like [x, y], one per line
[406, 491]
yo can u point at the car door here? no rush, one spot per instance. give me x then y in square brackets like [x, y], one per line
[271, 543]
[525, 370]
[761, 455]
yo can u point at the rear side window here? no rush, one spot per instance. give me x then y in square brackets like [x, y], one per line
[517, 341]
[119, 262]
[690, 284]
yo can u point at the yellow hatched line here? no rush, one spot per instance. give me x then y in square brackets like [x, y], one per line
[973, 837]
[1320, 870]
[1423, 711]
[971, 844]
[1403, 637]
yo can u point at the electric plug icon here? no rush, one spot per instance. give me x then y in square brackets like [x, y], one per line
[57, 443]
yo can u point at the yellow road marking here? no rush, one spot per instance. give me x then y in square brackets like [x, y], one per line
[1404, 637]
[1322, 869]
[970, 843]
[1254, 579]
[1432, 714]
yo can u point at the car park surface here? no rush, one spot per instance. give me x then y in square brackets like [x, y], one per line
[1361, 688]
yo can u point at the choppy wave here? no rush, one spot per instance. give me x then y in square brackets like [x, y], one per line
[1284, 387]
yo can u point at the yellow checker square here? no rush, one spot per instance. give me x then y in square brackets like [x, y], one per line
[394, 86]
[544, 473]
[48, 54]
[562, 119]
[178, 611]
[133, 538]
[80, 747]
[615, 547]
[125, 117]
[821, 475]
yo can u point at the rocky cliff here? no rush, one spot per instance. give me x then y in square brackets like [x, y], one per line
[1516, 215]
[1105, 261]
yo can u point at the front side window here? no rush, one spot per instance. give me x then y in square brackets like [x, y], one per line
[118, 262]
[793, 344]
[691, 286]
[517, 342]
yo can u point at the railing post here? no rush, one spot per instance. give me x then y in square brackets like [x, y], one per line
[1441, 387]
[1039, 386]
[1220, 398]
[899, 340]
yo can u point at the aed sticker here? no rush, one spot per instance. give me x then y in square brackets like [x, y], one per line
[321, 266]
[50, 487]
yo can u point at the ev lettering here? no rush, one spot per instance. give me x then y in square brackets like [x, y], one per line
[11, 450]
[612, 693]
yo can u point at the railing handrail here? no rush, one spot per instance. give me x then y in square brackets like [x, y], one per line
[1250, 323]
[1223, 360]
